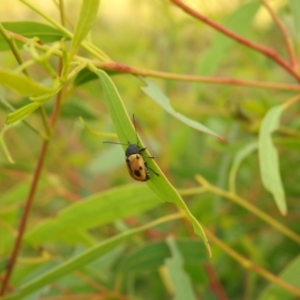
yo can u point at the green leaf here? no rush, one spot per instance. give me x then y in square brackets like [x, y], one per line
[82, 259]
[290, 274]
[126, 132]
[75, 109]
[98, 209]
[152, 256]
[85, 75]
[87, 16]
[240, 21]
[3, 145]
[268, 157]
[241, 155]
[45, 33]
[155, 93]
[22, 84]
[22, 112]
[182, 285]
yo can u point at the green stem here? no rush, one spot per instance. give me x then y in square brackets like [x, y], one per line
[254, 210]
[266, 51]
[247, 264]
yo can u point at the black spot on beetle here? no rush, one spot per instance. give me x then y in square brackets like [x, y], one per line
[137, 173]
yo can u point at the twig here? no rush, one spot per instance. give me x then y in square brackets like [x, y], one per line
[284, 32]
[268, 52]
[24, 218]
[247, 264]
[122, 68]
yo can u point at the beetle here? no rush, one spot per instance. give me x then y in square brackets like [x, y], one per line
[136, 165]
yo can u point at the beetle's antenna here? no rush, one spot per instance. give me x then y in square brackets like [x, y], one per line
[133, 119]
[115, 143]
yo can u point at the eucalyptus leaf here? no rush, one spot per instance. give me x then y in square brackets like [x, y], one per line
[98, 209]
[45, 33]
[22, 84]
[87, 16]
[151, 256]
[22, 113]
[81, 260]
[125, 130]
[155, 93]
[182, 286]
[268, 157]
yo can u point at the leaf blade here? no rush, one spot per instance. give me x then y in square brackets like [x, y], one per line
[83, 259]
[22, 84]
[268, 158]
[44, 32]
[155, 93]
[98, 209]
[22, 113]
[182, 285]
[126, 132]
[87, 15]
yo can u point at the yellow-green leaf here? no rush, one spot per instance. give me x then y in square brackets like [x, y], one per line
[87, 15]
[125, 130]
[268, 157]
[155, 93]
[22, 112]
[22, 84]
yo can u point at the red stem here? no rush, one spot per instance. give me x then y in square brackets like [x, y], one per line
[24, 218]
[214, 282]
[269, 52]
[30, 198]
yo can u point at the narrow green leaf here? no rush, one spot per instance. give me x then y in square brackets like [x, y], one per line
[102, 208]
[240, 22]
[87, 16]
[85, 75]
[182, 285]
[95, 132]
[268, 157]
[22, 112]
[82, 259]
[4, 147]
[126, 132]
[153, 255]
[290, 274]
[22, 84]
[45, 33]
[241, 155]
[155, 93]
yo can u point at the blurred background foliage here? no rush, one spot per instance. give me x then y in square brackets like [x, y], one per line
[158, 36]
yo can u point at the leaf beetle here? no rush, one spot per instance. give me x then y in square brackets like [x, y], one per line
[136, 165]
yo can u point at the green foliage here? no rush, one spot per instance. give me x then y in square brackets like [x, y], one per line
[268, 156]
[226, 150]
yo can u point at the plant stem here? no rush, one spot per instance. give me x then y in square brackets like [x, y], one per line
[268, 52]
[32, 191]
[122, 68]
[248, 206]
[24, 218]
[246, 263]
[286, 37]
